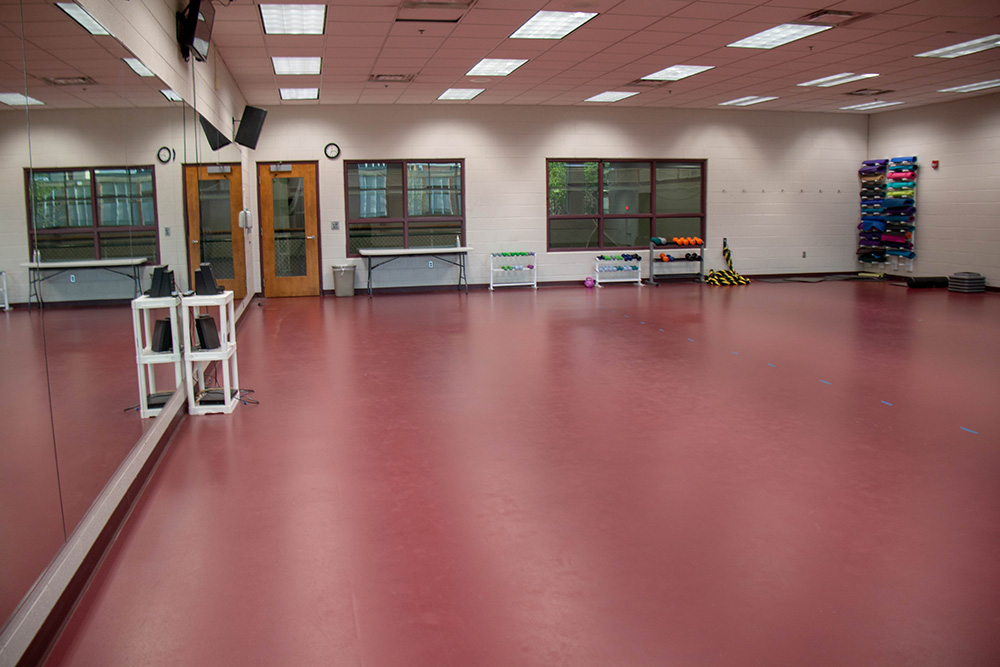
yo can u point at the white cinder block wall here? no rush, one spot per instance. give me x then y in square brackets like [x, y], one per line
[779, 184]
[97, 138]
[958, 204]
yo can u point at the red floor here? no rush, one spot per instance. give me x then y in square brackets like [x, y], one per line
[92, 377]
[779, 474]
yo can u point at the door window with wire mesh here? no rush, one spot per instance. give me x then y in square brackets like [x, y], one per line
[92, 213]
[404, 204]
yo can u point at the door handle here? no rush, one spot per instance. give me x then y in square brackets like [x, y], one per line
[311, 238]
[194, 240]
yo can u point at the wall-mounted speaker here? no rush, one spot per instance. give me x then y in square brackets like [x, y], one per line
[250, 125]
[215, 138]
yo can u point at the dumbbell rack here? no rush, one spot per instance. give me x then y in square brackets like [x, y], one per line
[617, 270]
[677, 252]
[510, 263]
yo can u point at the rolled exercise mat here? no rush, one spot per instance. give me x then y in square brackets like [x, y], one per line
[892, 238]
[894, 202]
[872, 225]
[908, 254]
[874, 163]
[905, 158]
[926, 281]
[900, 175]
[871, 171]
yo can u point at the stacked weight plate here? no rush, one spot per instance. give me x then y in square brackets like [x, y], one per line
[967, 282]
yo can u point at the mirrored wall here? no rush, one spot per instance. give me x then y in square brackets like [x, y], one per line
[99, 167]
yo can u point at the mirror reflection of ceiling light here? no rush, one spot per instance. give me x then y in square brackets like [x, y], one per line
[138, 67]
[80, 15]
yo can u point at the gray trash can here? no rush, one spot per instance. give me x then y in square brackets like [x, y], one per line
[343, 280]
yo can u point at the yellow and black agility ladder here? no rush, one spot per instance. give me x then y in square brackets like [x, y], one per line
[729, 277]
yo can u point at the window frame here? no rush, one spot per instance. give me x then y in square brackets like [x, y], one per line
[95, 229]
[406, 218]
[649, 218]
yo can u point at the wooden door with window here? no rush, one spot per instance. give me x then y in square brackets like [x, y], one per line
[289, 228]
[214, 195]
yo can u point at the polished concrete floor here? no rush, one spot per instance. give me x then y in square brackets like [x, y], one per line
[776, 474]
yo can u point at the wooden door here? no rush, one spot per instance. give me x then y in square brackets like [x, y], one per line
[214, 197]
[289, 228]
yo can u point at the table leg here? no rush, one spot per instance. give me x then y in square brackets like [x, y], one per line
[369, 261]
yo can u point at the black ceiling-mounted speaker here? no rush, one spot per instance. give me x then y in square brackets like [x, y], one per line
[250, 125]
[215, 138]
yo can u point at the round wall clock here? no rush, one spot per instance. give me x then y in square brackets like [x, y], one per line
[164, 154]
[331, 150]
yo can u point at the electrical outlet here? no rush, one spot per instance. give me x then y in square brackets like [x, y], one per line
[430, 264]
[72, 277]
[335, 225]
[803, 254]
[166, 231]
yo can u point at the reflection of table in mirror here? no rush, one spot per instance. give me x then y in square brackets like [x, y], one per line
[40, 271]
[443, 254]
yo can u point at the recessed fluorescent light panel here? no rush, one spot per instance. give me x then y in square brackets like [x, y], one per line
[293, 19]
[299, 93]
[80, 15]
[677, 72]
[869, 106]
[138, 67]
[171, 95]
[746, 101]
[963, 49]
[609, 96]
[552, 25]
[311, 65]
[777, 36]
[18, 100]
[460, 93]
[837, 79]
[972, 87]
[494, 67]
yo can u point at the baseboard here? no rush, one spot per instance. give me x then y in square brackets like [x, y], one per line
[37, 622]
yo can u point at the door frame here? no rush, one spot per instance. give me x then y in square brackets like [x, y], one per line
[260, 222]
[234, 167]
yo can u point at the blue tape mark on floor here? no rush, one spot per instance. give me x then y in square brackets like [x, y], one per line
[641, 322]
[661, 329]
[826, 382]
[772, 365]
[626, 317]
[691, 339]
[969, 430]
[736, 353]
[887, 403]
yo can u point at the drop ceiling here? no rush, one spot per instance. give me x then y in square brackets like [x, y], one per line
[394, 52]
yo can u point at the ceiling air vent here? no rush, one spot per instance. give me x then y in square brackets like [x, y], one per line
[70, 81]
[643, 83]
[832, 17]
[391, 78]
[433, 11]
[869, 92]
